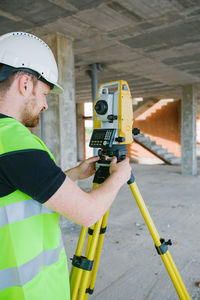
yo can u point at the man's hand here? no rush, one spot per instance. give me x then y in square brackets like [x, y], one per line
[84, 170]
[122, 169]
[87, 167]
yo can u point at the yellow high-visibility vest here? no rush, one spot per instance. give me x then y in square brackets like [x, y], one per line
[33, 264]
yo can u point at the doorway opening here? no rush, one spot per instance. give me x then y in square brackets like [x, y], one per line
[88, 127]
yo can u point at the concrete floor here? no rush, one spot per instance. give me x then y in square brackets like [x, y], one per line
[130, 268]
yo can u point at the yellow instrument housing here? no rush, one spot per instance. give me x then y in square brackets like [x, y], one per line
[122, 107]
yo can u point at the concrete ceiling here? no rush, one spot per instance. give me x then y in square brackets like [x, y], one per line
[153, 44]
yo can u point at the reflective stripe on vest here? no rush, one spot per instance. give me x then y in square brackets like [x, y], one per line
[21, 210]
[23, 274]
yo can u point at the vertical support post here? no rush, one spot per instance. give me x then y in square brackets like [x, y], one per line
[94, 78]
[93, 74]
[59, 121]
[188, 130]
[59, 127]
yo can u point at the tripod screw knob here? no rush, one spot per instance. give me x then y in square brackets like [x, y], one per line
[135, 131]
[100, 153]
[111, 118]
[120, 139]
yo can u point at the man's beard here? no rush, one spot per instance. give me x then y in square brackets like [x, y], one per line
[30, 120]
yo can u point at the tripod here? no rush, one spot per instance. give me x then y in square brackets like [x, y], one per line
[84, 268]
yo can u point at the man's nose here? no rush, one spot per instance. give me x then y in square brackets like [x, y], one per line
[45, 106]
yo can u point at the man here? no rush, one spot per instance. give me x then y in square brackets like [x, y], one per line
[33, 189]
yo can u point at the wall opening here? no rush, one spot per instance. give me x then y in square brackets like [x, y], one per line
[88, 127]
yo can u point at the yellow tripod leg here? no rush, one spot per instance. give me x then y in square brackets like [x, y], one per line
[91, 255]
[90, 229]
[98, 252]
[76, 273]
[80, 278]
[166, 257]
[93, 252]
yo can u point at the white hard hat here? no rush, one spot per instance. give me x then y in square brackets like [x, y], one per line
[23, 50]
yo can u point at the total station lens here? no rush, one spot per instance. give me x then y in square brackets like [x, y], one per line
[101, 107]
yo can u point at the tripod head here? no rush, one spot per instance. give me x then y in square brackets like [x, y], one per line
[118, 150]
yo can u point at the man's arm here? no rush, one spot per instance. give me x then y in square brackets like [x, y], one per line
[87, 208]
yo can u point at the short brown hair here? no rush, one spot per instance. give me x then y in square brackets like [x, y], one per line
[6, 84]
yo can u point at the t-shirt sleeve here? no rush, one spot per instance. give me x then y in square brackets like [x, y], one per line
[31, 171]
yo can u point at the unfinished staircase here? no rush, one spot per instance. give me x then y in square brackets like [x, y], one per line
[157, 150]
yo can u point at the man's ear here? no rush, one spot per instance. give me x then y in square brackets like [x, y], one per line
[25, 84]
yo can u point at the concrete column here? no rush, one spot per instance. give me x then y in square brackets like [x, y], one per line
[188, 130]
[59, 121]
[80, 131]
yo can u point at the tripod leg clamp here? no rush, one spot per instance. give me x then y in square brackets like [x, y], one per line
[162, 249]
[132, 179]
[89, 291]
[82, 262]
[102, 230]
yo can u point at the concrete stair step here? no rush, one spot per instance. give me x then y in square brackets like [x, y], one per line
[144, 140]
[139, 135]
[168, 155]
[148, 143]
[161, 151]
[175, 160]
[141, 139]
[157, 149]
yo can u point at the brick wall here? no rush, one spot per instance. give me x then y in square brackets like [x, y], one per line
[162, 123]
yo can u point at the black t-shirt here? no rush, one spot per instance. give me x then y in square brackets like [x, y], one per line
[31, 171]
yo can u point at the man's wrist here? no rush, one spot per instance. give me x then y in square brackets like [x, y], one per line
[73, 173]
[115, 176]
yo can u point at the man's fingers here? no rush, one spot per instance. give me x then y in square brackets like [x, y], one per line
[114, 159]
[127, 159]
[93, 159]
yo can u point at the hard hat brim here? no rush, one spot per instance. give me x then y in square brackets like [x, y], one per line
[57, 89]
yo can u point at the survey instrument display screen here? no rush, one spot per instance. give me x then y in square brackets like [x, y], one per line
[102, 138]
[99, 135]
